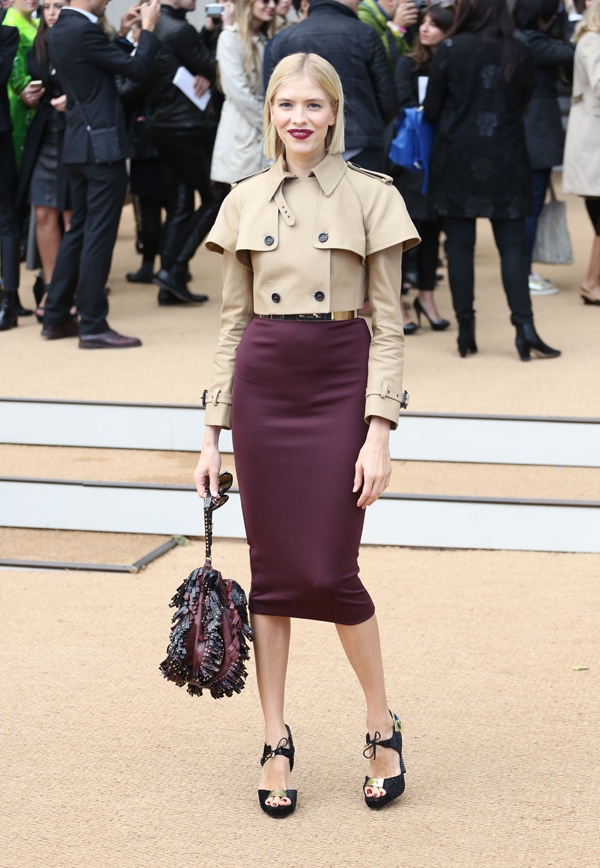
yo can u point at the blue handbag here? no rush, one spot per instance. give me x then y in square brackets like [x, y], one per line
[411, 146]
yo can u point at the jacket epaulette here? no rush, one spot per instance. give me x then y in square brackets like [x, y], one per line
[247, 177]
[385, 179]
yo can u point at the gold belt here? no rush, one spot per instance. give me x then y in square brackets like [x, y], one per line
[311, 317]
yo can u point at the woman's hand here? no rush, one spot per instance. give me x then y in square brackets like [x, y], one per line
[59, 102]
[373, 468]
[31, 94]
[206, 474]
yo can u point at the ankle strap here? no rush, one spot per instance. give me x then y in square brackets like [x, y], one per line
[284, 748]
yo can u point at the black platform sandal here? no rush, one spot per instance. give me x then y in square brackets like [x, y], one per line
[284, 748]
[393, 787]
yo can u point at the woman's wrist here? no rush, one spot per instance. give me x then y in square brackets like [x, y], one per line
[211, 438]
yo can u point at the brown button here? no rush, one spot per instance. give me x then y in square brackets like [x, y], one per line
[269, 240]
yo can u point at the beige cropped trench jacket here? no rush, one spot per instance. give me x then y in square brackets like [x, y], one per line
[343, 243]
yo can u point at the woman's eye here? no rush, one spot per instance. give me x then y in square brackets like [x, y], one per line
[284, 104]
[314, 105]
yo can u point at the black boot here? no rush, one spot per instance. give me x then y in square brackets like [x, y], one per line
[466, 335]
[21, 311]
[8, 310]
[528, 341]
[145, 274]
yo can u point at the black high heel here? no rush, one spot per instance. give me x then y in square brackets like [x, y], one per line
[438, 325]
[409, 328]
[393, 787]
[466, 336]
[284, 748]
[528, 341]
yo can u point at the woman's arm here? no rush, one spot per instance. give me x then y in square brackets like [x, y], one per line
[373, 467]
[206, 474]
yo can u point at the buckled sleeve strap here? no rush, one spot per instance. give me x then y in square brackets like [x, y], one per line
[218, 408]
[386, 403]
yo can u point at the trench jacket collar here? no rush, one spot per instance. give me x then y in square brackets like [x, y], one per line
[329, 172]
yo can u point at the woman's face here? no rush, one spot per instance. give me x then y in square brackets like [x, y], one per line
[283, 7]
[25, 7]
[51, 10]
[302, 115]
[263, 11]
[429, 33]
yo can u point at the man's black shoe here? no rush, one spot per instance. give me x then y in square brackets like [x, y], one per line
[68, 329]
[177, 288]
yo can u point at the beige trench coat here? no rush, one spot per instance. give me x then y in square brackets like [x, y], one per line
[581, 166]
[238, 147]
[347, 246]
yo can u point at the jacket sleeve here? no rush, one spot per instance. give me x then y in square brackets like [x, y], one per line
[9, 42]
[437, 86]
[236, 312]
[381, 76]
[550, 52]
[386, 353]
[191, 48]
[108, 56]
[589, 49]
[234, 80]
[405, 84]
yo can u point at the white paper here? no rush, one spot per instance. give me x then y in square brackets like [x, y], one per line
[184, 80]
[423, 79]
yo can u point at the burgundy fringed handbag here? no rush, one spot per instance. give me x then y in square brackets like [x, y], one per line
[208, 646]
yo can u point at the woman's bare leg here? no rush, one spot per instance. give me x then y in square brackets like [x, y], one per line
[48, 237]
[271, 652]
[363, 650]
[592, 279]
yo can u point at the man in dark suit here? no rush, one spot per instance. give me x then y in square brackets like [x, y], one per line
[95, 148]
[9, 227]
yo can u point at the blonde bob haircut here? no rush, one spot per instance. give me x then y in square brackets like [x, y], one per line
[321, 73]
[590, 23]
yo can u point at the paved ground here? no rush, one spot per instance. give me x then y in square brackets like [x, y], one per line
[103, 763]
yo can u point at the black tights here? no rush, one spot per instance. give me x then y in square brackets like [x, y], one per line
[593, 209]
[510, 241]
[151, 228]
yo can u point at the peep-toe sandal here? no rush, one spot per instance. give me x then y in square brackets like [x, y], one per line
[285, 748]
[393, 787]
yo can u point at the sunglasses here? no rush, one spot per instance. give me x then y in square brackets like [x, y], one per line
[225, 483]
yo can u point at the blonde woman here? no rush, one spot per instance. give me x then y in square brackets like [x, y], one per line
[238, 147]
[581, 168]
[310, 397]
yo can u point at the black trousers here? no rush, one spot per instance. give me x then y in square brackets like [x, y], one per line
[9, 221]
[509, 236]
[185, 157]
[85, 253]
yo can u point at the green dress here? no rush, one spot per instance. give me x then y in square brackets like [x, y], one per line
[20, 78]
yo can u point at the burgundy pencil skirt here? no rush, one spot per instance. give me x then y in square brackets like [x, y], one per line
[298, 426]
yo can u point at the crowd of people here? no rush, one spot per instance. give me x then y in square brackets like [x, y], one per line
[176, 114]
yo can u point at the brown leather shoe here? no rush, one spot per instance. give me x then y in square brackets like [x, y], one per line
[110, 340]
[66, 329]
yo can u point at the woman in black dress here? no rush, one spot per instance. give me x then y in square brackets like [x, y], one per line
[43, 180]
[411, 77]
[480, 82]
[303, 243]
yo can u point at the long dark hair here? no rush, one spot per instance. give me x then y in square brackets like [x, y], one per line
[527, 13]
[41, 46]
[492, 22]
[443, 17]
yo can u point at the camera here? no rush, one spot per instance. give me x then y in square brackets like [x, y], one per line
[421, 5]
[214, 10]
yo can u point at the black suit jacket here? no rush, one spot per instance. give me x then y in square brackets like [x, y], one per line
[9, 42]
[87, 62]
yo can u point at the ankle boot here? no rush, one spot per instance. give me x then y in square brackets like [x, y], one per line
[8, 310]
[528, 341]
[466, 335]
